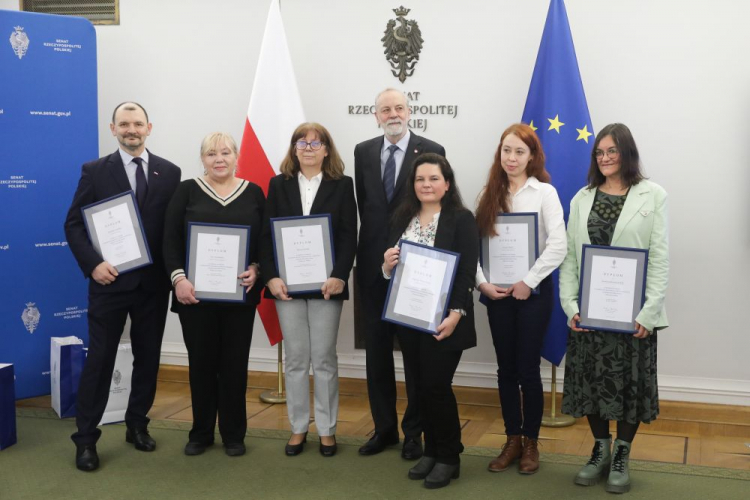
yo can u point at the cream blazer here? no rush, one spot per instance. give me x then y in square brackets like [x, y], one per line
[642, 224]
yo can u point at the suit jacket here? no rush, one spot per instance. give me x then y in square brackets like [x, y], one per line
[457, 231]
[374, 209]
[642, 224]
[102, 179]
[334, 197]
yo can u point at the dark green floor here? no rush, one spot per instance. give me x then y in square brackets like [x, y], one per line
[42, 466]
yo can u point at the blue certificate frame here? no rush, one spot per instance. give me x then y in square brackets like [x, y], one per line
[243, 256]
[128, 198]
[393, 311]
[529, 218]
[619, 257]
[279, 223]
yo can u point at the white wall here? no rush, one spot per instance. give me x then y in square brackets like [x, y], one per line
[677, 74]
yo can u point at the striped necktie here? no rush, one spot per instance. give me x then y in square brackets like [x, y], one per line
[389, 173]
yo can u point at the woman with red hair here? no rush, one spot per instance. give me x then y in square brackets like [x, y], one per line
[518, 182]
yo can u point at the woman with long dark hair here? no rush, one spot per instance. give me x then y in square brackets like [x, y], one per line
[518, 182]
[612, 376]
[432, 213]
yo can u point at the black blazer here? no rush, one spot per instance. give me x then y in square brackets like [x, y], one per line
[374, 209]
[335, 197]
[102, 179]
[457, 231]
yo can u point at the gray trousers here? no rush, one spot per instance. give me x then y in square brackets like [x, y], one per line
[310, 328]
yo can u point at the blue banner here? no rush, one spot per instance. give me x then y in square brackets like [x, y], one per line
[48, 125]
[556, 108]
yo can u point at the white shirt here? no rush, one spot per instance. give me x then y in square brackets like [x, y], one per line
[398, 155]
[540, 197]
[307, 190]
[131, 166]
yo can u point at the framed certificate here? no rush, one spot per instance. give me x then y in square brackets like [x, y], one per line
[216, 255]
[507, 257]
[612, 288]
[303, 251]
[115, 229]
[420, 287]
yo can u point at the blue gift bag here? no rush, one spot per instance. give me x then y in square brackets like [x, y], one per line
[66, 363]
[7, 406]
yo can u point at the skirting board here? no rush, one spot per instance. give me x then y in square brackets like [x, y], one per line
[472, 374]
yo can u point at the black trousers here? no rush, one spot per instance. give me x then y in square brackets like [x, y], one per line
[432, 369]
[518, 328]
[218, 343]
[107, 314]
[381, 377]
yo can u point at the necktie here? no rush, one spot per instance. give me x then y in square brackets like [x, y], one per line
[389, 173]
[141, 186]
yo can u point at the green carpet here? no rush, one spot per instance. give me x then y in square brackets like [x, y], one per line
[42, 466]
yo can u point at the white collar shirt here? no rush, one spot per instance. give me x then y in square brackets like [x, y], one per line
[398, 155]
[131, 166]
[540, 197]
[307, 190]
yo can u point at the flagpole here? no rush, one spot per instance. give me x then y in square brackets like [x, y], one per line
[554, 420]
[274, 397]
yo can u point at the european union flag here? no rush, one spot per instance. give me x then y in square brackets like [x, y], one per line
[556, 108]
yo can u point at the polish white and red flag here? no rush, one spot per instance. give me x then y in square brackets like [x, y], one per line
[275, 111]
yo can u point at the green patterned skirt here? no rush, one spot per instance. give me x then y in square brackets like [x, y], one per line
[612, 375]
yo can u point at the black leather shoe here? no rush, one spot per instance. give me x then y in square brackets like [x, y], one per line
[195, 448]
[377, 443]
[234, 449]
[328, 450]
[423, 468]
[292, 450]
[441, 475]
[141, 439]
[412, 449]
[87, 459]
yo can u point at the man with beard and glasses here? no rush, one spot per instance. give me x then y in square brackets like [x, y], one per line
[142, 294]
[381, 167]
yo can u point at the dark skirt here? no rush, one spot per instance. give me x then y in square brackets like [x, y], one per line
[612, 375]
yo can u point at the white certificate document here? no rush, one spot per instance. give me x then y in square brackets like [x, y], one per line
[304, 254]
[509, 253]
[116, 235]
[612, 288]
[216, 263]
[419, 290]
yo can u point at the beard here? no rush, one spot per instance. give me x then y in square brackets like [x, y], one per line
[394, 129]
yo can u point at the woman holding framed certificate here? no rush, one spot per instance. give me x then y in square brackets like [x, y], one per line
[308, 246]
[518, 258]
[432, 214]
[612, 375]
[211, 233]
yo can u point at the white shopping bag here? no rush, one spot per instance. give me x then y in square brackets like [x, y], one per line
[120, 386]
[66, 360]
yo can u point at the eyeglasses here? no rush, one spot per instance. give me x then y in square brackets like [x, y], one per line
[611, 153]
[314, 145]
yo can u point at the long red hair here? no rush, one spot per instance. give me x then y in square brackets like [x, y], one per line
[494, 198]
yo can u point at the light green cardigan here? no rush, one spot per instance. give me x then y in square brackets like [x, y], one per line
[642, 224]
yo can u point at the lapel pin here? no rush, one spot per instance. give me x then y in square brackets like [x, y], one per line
[416, 151]
[156, 173]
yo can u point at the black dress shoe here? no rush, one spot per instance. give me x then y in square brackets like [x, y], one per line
[234, 449]
[328, 450]
[441, 475]
[195, 448]
[87, 459]
[412, 449]
[292, 450]
[141, 439]
[377, 443]
[423, 468]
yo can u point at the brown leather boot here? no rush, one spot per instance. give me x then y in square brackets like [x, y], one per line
[510, 452]
[529, 457]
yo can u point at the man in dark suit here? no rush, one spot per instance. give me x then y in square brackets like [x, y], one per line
[142, 294]
[381, 167]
